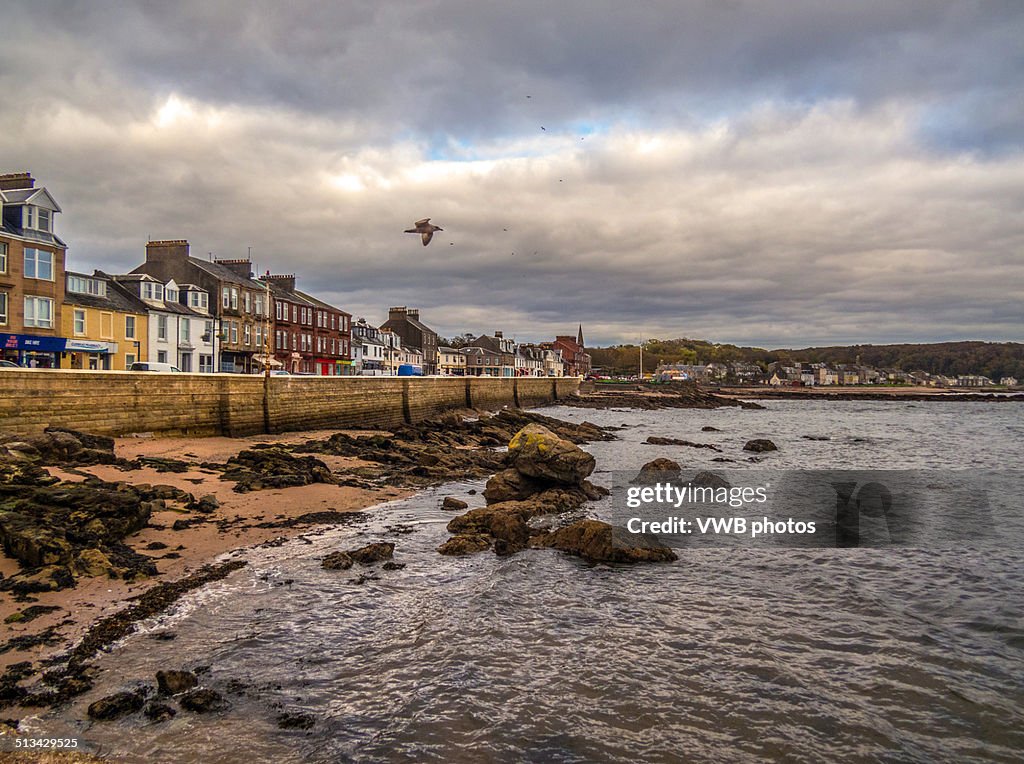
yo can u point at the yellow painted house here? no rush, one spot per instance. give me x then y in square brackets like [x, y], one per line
[105, 326]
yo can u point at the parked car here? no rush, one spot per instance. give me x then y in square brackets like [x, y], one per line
[153, 366]
[8, 365]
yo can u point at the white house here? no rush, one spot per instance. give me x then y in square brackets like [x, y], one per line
[182, 330]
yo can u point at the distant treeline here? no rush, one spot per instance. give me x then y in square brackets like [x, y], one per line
[991, 359]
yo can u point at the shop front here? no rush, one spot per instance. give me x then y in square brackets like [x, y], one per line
[33, 352]
[90, 354]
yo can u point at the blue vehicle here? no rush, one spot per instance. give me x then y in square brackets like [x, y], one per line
[410, 370]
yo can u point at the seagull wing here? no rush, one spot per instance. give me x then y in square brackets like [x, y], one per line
[427, 236]
[423, 222]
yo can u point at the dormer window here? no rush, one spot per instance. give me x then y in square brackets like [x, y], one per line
[82, 285]
[37, 218]
[152, 291]
[198, 300]
[171, 295]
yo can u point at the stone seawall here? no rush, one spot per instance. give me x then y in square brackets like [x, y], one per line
[118, 403]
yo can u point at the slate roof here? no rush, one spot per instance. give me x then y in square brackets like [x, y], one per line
[117, 298]
[225, 274]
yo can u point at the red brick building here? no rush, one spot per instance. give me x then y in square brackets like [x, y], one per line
[309, 336]
[577, 360]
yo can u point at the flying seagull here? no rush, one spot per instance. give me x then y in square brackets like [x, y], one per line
[425, 229]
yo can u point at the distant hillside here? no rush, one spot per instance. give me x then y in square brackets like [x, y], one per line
[992, 359]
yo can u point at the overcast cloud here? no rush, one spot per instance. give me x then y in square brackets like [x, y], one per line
[778, 174]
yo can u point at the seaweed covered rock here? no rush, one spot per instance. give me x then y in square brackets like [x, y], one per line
[258, 468]
[598, 541]
[117, 705]
[71, 527]
[365, 555]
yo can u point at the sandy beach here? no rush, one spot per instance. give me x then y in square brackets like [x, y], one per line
[235, 524]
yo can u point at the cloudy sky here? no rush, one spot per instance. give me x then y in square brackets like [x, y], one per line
[770, 173]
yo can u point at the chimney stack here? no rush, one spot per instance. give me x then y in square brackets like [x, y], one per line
[167, 251]
[242, 267]
[16, 180]
[286, 282]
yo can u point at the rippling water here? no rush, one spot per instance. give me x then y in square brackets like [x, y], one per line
[726, 655]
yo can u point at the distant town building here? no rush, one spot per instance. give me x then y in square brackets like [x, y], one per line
[405, 322]
[577, 360]
[367, 348]
[451, 362]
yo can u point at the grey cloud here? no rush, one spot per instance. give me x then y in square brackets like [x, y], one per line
[774, 174]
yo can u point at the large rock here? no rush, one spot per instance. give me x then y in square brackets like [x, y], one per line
[512, 485]
[174, 682]
[537, 452]
[203, 701]
[760, 445]
[117, 705]
[659, 470]
[366, 555]
[465, 543]
[597, 541]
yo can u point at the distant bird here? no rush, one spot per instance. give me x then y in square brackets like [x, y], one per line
[425, 229]
[543, 128]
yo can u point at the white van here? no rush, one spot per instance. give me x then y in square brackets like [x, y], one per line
[153, 366]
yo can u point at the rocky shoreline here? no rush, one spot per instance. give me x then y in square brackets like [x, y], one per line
[81, 515]
[67, 531]
[680, 395]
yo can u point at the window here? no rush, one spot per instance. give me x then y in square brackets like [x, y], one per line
[234, 299]
[38, 264]
[161, 328]
[247, 333]
[129, 359]
[258, 305]
[248, 302]
[129, 327]
[185, 362]
[295, 314]
[224, 331]
[226, 297]
[171, 295]
[208, 331]
[39, 312]
[3, 308]
[151, 291]
[234, 332]
[79, 322]
[184, 331]
[161, 356]
[198, 300]
[206, 364]
[277, 309]
[82, 285]
[3, 257]
[37, 218]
